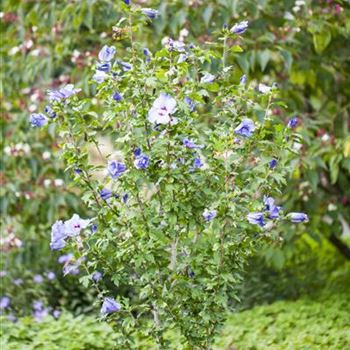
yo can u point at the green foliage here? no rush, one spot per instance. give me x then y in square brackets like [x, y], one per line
[57, 293]
[321, 322]
[68, 332]
[303, 324]
[38, 41]
[307, 267]
[302, 49]
[318, 321]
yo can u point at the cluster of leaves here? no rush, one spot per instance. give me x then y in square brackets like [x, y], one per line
[300, 45]
[316, 323]
[54, 290]
[283, 273]
[306, 323]
[68, 332]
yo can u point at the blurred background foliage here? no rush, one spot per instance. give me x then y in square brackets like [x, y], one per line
[300, 45]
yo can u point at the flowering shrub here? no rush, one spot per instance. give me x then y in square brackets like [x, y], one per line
[185, 196]
[302, 49]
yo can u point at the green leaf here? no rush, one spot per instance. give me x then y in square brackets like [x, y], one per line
[277, 258]
[207, 14]
[263, 58]
[334, 168]
[312, 175]
[322, 40]
[236, 48]
[288, 59]
[243, 62]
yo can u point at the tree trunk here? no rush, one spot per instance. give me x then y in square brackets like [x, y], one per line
[340, 245]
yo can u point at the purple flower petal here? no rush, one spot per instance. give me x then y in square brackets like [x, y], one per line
[116, 169]
[209, 215]
[37, 120]
[110, 306]
[152, 14]
[246, 128]
[292, 123]
[298, 217]
[239, 28]
[107, 53]
[256, 219]
[141, 162]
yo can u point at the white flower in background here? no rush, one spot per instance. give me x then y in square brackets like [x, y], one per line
[28, 44]
[8, 150]
[35, 96]
[288, 16]
[46, 155]
[264, 89]
[327, 219]
[183, 34]
[332, 207]
[172, 71]
[297, 5]
[32, 108]
[165, 40]
[58, 182]
[35, 53]
[18, 147]
[297, 146]
[26, 148]
[47, 182]
[13, 51]
[76, 53]
[75, 56]
[325, 137]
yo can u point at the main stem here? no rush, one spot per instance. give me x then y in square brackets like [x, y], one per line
[224, 52]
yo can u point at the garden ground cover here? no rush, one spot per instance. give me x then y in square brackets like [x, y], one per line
[321, 322]
[302, 324]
